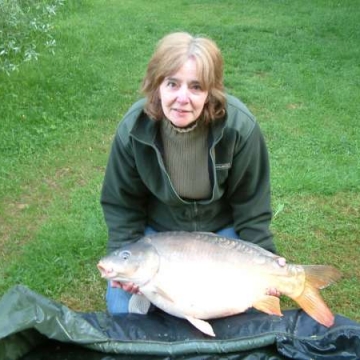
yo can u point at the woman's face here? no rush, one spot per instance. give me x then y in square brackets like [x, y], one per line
[182, 98]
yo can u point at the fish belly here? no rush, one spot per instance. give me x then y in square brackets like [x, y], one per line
[206, 276]
[204, 292]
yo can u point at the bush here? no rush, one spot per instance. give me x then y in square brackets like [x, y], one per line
[25, 30]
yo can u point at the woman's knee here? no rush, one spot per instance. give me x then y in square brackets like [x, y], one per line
[117, 300]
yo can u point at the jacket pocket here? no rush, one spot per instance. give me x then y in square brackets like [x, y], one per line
[222, 172]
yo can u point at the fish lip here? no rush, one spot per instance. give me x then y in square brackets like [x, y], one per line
[110, 275]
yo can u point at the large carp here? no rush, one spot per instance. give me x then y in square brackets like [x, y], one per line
[199, 276]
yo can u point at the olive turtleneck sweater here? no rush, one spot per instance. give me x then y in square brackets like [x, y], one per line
[186, 159]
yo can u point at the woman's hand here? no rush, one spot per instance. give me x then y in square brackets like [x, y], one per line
[129, 287]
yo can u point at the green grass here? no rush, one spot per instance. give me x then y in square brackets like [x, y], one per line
[295, 64]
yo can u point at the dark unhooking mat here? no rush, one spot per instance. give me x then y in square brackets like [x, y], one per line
[35, 328]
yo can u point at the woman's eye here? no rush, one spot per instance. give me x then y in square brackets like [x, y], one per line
[196, 87]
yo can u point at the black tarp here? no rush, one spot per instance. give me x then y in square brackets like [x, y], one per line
[34, 327]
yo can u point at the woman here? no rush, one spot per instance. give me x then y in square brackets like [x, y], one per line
[187, 157]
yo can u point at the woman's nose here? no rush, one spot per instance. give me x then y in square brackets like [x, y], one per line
[183, 95]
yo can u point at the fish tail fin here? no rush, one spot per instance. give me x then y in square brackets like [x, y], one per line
[310, 300]
[321, 276]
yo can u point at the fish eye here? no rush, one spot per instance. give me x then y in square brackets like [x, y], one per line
[125, 254]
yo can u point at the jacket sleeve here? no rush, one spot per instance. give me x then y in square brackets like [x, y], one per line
[249, 190]
[123, 196]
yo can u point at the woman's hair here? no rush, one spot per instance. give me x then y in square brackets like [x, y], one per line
[171, 53]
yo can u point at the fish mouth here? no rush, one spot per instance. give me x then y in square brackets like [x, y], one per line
[111, 274]
[107, 273]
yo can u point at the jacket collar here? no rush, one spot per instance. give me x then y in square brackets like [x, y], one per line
[147, 130]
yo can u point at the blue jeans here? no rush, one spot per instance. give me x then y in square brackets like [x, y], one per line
[117, 300]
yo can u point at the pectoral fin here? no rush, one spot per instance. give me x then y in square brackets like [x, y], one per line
[201, 325]
[163, 294]
[269, 305]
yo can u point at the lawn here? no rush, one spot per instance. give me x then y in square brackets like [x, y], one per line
[295, 64]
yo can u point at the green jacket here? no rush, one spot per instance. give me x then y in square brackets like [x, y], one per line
[137, 191]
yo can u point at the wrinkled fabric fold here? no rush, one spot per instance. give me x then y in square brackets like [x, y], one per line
[29, 320]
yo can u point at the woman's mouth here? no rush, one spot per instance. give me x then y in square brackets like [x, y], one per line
[181, 111]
